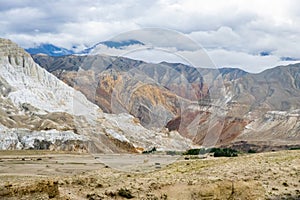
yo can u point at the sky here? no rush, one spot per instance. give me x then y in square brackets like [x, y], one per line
[253, 35]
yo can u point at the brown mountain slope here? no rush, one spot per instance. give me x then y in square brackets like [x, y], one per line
[39, 111]
[153, 93]
[207, 105]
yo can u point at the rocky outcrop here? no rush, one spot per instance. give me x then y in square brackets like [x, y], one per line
[278, 127]
[11, 139]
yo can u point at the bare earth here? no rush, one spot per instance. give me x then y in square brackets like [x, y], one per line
[58, 175]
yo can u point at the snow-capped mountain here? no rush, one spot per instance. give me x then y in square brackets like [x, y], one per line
[52, 50]
[49, 49]
[112, 44]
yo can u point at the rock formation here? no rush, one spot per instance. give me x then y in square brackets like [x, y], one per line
[209, 106]
[41, 112]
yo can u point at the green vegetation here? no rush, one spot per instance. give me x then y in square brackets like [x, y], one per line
[295, 148]
[196, 151]
[150, 151]
[251, 151]
[173, 153]
[224, 152]
[217, 152]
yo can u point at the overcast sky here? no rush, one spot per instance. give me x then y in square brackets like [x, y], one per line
[252, 35]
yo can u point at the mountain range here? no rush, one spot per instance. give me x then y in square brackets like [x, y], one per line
[100, 103]
[226, 106]
[52, 50]
[39, 111]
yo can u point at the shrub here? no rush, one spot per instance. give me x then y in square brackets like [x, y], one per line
[285, 184]
[172, 153]
[150, 151]
[224, 152]
[196, 151]
[295, 148]
[125, 193]
[218, 152]
[251, 151]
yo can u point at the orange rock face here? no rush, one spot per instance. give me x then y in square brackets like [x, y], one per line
[211, 106]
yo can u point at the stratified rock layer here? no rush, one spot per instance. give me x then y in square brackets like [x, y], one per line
[209, 106]
[41, 112]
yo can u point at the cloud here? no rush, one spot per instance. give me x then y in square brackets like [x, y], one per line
[213, 58]
[188, 16]
[247, 62]
[232, 29]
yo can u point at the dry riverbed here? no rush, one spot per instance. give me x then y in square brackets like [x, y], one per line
[61, 175]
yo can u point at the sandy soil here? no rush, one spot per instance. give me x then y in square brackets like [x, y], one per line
[49, 175]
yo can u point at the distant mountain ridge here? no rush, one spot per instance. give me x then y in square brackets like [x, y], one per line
[112, 44]
[52, 50]
[49, 49]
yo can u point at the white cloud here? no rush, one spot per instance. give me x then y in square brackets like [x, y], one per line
[247, 62]
[234, 32]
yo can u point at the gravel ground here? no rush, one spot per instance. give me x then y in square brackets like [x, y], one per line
[40, 175]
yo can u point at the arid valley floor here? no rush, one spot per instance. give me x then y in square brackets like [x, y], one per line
[49, 175]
